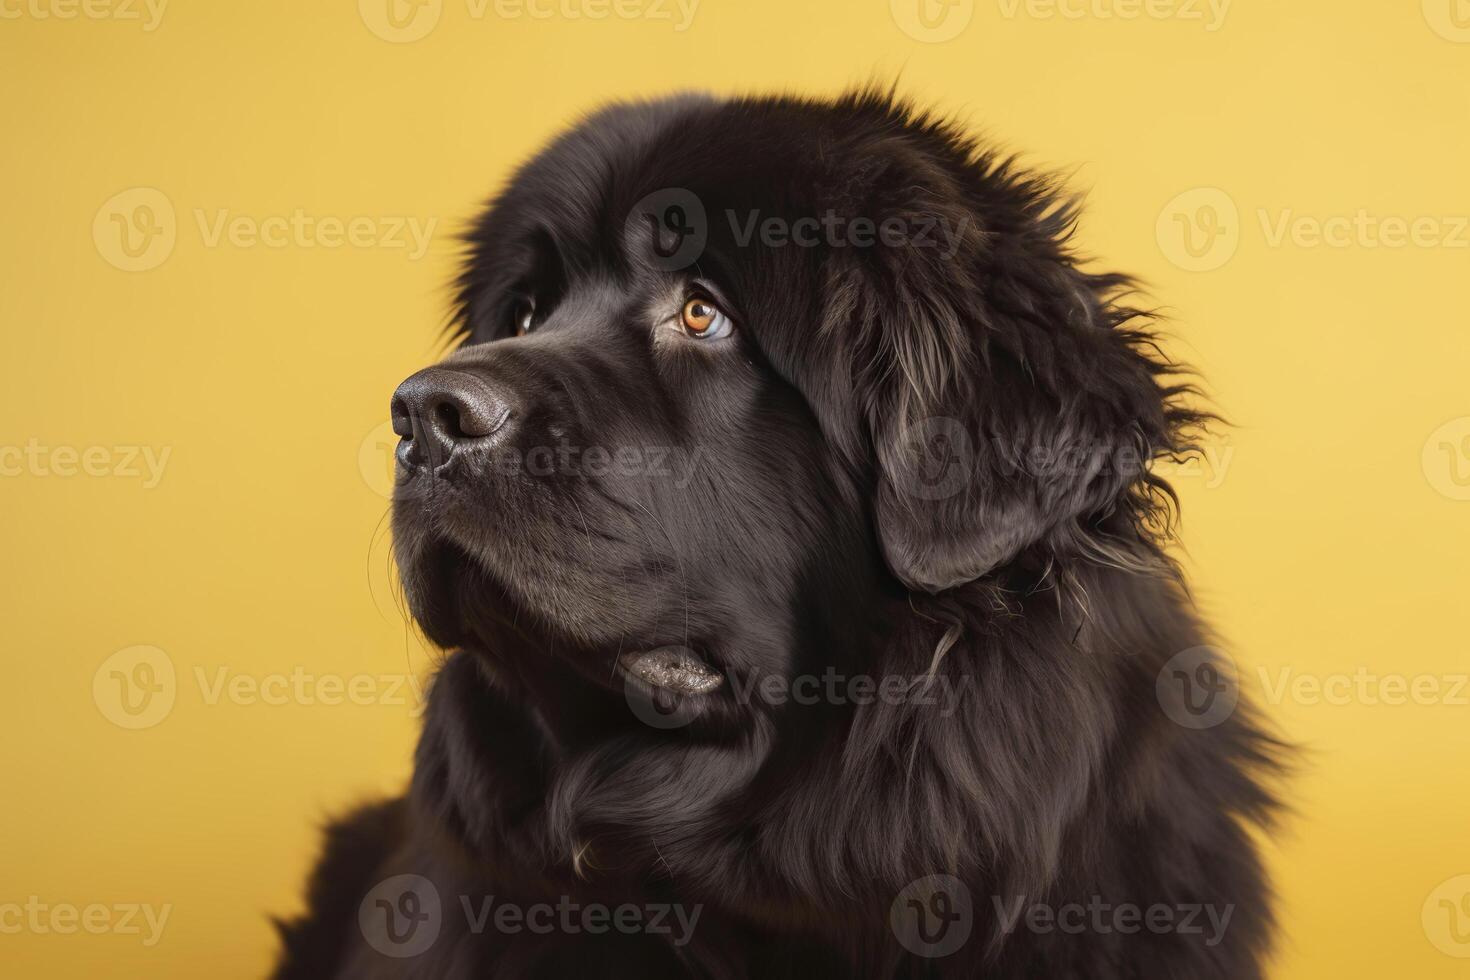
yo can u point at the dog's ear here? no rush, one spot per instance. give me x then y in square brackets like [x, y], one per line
[1007, 404]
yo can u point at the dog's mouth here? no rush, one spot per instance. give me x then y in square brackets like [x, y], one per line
[673, 668]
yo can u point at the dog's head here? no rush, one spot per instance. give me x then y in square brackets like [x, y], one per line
[785, 391]
[734, 371]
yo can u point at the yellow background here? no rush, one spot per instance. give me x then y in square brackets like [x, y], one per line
[1332, 543]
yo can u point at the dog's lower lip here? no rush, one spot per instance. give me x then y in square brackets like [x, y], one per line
[673, 668]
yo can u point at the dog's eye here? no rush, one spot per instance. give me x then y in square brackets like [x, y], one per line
[704, 320]
[523, 317]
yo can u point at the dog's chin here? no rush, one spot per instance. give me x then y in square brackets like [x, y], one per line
[460, 604]
[434, 574]
[451, 591]
[460, 601]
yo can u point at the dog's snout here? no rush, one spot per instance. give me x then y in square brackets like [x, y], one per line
[438, 412]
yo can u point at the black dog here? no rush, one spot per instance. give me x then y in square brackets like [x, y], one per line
[788, 507]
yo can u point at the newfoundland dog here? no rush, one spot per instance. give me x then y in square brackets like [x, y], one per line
[789, 508]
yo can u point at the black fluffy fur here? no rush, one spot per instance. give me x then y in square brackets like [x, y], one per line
[789, 540]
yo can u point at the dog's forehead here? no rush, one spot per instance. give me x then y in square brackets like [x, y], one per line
[755, 159]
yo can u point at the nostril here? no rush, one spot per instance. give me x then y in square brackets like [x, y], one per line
[402, 418]
[447, 420]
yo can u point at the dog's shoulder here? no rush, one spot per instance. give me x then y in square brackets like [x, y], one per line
[354, 848]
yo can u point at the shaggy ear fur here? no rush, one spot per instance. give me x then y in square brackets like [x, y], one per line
[1006, 402]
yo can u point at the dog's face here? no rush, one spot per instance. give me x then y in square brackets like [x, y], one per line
[735, 376]
[618, 466]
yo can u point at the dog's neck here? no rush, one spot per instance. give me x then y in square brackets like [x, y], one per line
[529, 771]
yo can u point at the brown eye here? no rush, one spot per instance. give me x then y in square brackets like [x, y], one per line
[704, 320]
[523, 317]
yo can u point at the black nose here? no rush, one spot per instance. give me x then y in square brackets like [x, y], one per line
[439, 411]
